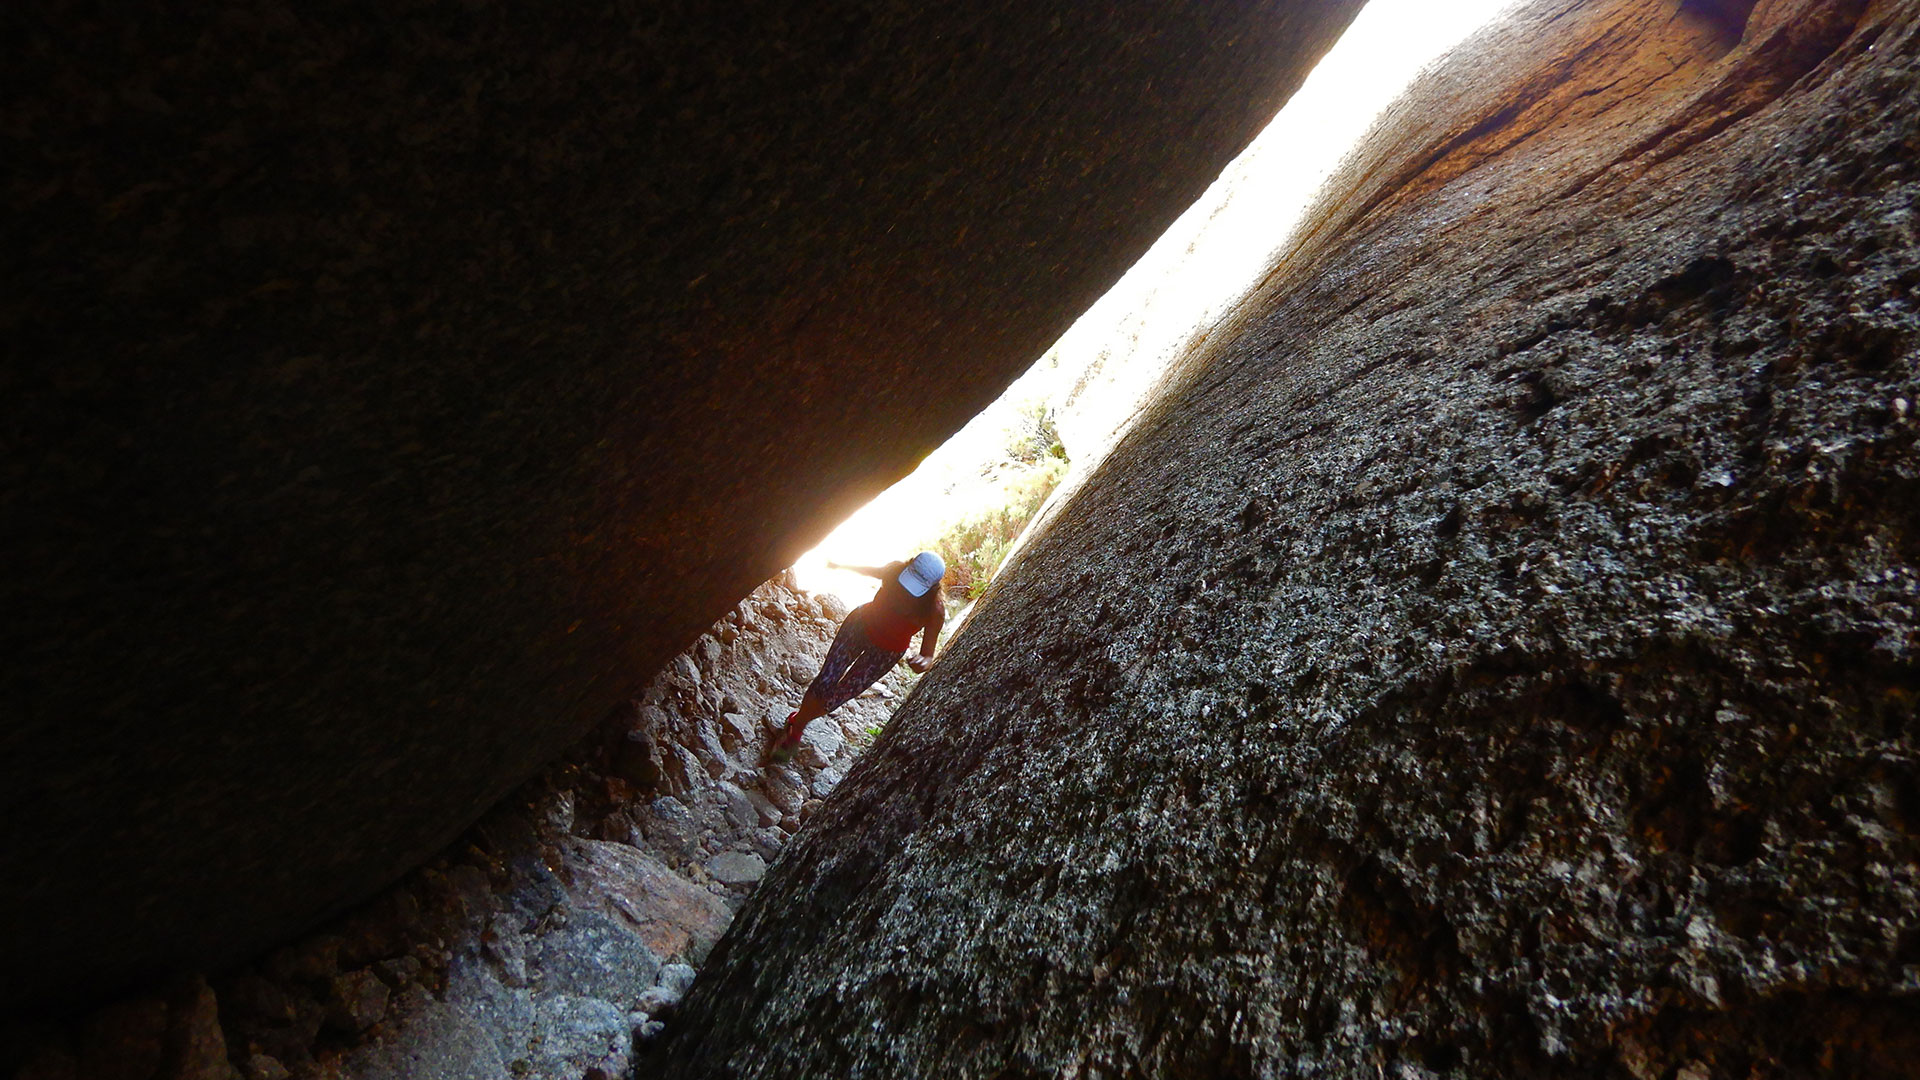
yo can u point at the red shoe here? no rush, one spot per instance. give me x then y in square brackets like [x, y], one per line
[781, 749]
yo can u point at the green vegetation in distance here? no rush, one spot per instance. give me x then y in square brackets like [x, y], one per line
[974, 546]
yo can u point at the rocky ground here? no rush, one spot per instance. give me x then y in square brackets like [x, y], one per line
[560, 932]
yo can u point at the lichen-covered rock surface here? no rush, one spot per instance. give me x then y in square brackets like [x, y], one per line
[391, 388]
[555, 937]
[1493, 654]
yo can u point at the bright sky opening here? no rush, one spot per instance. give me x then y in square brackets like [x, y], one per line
[1205, 262]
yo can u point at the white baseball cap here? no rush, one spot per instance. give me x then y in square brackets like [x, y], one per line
[922, 572]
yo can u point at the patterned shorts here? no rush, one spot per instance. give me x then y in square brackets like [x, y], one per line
[852, 664]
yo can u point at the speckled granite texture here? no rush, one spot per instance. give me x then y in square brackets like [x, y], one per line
[1495, 656]
[391, 387]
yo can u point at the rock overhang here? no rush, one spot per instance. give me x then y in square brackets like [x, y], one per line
[392, 389]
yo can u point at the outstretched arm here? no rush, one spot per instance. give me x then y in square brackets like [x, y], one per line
[870, 571]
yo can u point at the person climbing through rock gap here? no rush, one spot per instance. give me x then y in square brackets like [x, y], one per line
[873, 638]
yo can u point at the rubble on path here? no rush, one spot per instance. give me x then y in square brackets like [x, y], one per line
[564, 928]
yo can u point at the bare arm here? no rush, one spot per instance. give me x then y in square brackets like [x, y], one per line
[929, 637]
[870, 571]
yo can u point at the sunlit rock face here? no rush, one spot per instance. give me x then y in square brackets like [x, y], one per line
[1495, 656]
[391, 388]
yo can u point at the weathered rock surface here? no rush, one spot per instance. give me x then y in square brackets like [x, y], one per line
[389, 390]
[530, 947]
[1494, 656]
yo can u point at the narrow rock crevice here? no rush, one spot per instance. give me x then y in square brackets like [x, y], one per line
[1492, 653]
[391, 388]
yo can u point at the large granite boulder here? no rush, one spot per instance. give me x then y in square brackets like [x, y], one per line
[1495, 656]
[391, 387]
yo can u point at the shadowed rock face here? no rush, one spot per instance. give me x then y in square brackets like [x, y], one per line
[392, 387]
[1494, 656]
